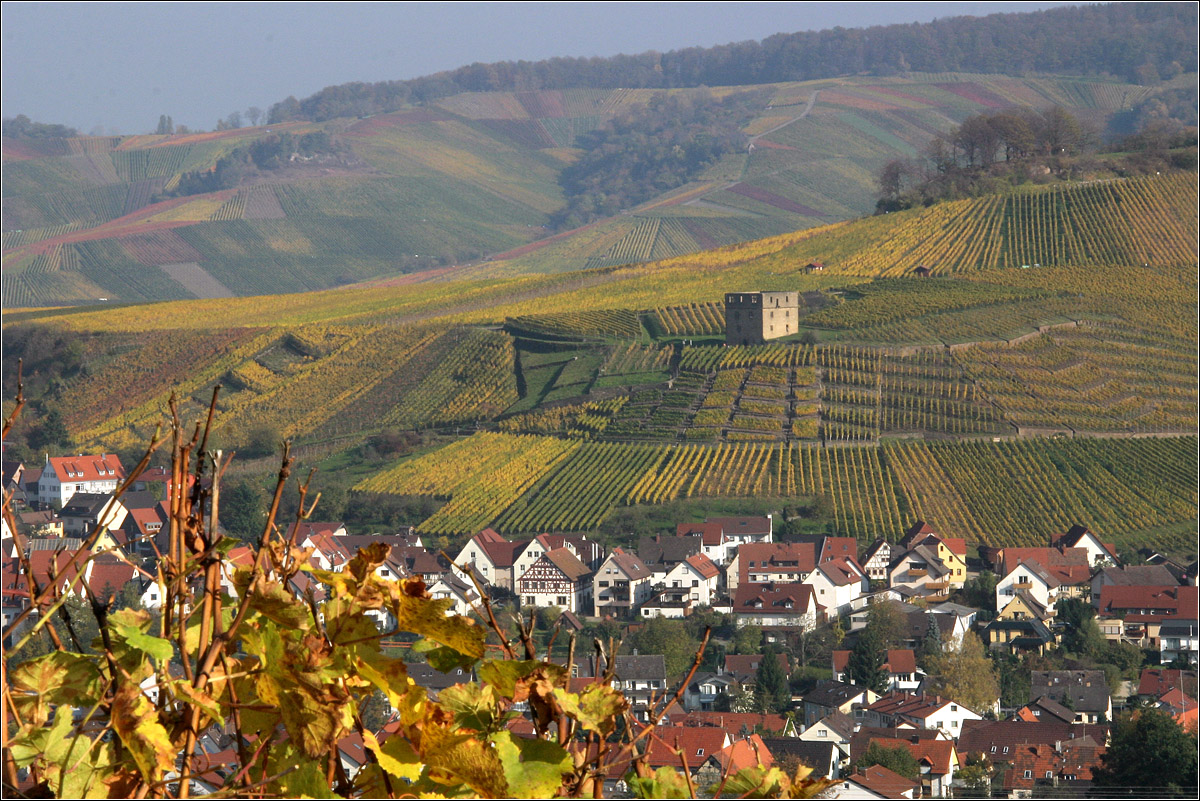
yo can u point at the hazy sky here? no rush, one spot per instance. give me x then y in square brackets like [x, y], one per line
[121, 65]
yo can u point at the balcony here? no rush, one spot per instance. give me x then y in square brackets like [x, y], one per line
[1022, 585]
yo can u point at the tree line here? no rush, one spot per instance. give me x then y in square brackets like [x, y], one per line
[266, 153]
[993, 150]
[1136, 42]
[649, 150]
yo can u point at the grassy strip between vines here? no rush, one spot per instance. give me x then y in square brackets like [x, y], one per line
[289, 677]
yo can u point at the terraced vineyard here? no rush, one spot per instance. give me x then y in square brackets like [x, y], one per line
[1015, 493]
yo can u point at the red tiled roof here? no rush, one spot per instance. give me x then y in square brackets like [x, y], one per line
[1048, 558]
[940, 755]
[957, 545]
[105, 467]
[842, 571]
[697, 743]
[567, 563]
[742, 525]
[886, 783]
[775, 554]
[774, 599]
[744, 754]
[65, 565]
[703, 565]
[1162, 602]
[733, 722]
[111, 573]
[1155, 683]
[503, 553]
[913, 706]
[833, 547]
[710, 533]
[899, 660]
[747, 664]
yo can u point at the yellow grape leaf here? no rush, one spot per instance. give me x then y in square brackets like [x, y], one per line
[136, 723]
[596, 708]
[415, 611]
[396, 756]
[532, 768]
[455, 758]
[56, 678]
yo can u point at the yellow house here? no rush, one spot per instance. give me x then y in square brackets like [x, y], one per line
[1022, 625]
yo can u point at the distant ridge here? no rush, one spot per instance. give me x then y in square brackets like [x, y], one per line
[1137, 42]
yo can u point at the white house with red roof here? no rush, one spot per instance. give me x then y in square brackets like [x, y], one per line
[920, 711]
[788, 606]
[1045, 573]
[695, 579]
[771, 562]
[491, 556]
[1099, 553]
[901, 667]
[63, 476]
[838, 583]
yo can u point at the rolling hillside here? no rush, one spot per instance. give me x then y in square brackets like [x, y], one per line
[467, 177]
[1045, 374]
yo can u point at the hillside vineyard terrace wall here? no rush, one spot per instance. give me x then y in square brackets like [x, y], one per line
[751, 318]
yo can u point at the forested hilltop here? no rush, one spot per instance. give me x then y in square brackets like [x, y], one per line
[1140, 43]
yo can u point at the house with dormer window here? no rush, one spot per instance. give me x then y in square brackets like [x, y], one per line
[63, 476]
[790, 606]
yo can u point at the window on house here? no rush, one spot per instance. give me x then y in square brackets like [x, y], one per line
[1029, 774]
[562, 600]
[993, 749]
[699, 752]
[1049, 774]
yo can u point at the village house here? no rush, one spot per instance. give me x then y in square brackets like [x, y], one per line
[901, 667]
[694, 579]
[1099, 553]
[836, 728]
[491, 557]
[919, 711]
[838, 583]
[830, 697]
[874, 782]
[739, 755]
[1047, 574]
[461, 593]
[1138, 614]
[641, 679]
[712, 540]
[706, 688]
[876, 560]
[788, 606]
[1022, 625]
[63, 476]
[621, 584]
[586, 551]
[87, 510]
[559, 579]
[1084, 691]
[770, 563]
